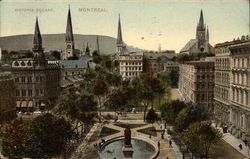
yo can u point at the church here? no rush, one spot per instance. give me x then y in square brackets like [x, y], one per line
[201, 43]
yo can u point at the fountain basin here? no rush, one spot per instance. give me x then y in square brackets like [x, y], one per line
[143, 148]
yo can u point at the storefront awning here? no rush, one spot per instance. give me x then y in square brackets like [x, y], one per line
[30, 104]
[18, 103]
[24, 104]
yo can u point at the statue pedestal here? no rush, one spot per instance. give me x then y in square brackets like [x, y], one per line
[128, 151]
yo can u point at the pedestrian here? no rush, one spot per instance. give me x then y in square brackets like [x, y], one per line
[159, 144]
[167, 158]
[162, 135]
[170, 143]
[245, 141]
[150, 136]
[240, 146]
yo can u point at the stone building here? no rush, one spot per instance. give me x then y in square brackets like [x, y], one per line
[201, 43]
[36, 79]
[240, 89]
[196, 82]
[222, 93]
[7, 97]
[130, 63]
[161, 62]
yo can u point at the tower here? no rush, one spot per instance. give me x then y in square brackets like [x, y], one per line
[201, 34]
[87, 51]
[37, 46]
[97, 45]
[69, 51]
[120, 45]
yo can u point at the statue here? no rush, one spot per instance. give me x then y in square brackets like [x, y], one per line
[127, 149]
[127, 134]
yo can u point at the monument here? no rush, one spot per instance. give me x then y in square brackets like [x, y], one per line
[127, 149]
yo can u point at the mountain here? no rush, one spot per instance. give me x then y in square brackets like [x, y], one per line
[57, 42]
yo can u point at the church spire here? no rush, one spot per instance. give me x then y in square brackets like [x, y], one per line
[69, 30]
[119, 34]
[201, 21]
[120, 45]
[97, 45]
[37, 42]
[207, 35]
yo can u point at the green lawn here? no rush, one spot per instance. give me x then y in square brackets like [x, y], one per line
[149, 131]
[131, 126]
[107, 131]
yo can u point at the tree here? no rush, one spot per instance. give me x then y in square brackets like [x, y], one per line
[56, 54]
[152, 116]
[200, 136]
[188, 115]
[118, 100]
[28, 54]
[170, 110]
[100, 88]
[174, 76]
[13, 136]
[87, 108]
[47, 136]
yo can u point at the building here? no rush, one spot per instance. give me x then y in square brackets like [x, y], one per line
[69, 39]
[201, 43]
[240, 89]
[161, 62]
[36, 79]
[72, 72]
[130, 63]
[222, 92]
[7, 97]
[196, 83]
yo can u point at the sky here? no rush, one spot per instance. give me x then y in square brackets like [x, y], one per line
[145, 24]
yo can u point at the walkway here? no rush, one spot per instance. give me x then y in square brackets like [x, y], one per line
[165, 150]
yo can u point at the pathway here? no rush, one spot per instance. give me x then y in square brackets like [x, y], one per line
[165, 150]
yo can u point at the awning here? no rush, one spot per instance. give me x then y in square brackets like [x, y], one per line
[42, 104]
[18, 103]
[24, 104]
[30, 104]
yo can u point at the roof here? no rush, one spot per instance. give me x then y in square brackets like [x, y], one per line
[156, 55]
[189, 45]
[73, 64]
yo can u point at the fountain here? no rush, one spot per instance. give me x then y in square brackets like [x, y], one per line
[127, 147]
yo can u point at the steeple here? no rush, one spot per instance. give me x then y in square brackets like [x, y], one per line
[207, 35]
[87, 51]
[37, 42]
[119, 34]
[201, 21]
[97, 45]
[120, 45]
[69, 31]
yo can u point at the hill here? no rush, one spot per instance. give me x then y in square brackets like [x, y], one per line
[57, 42]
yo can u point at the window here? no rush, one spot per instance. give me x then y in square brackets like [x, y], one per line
[17, 79]
[23, 92]
[30, 92]
[17, 93]
[23, 79]
[29, 79]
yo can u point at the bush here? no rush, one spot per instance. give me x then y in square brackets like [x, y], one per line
[152, 116]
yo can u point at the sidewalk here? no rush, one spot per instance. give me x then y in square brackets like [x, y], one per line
[235, 142]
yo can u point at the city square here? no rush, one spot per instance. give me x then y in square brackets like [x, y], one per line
[128, 92]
